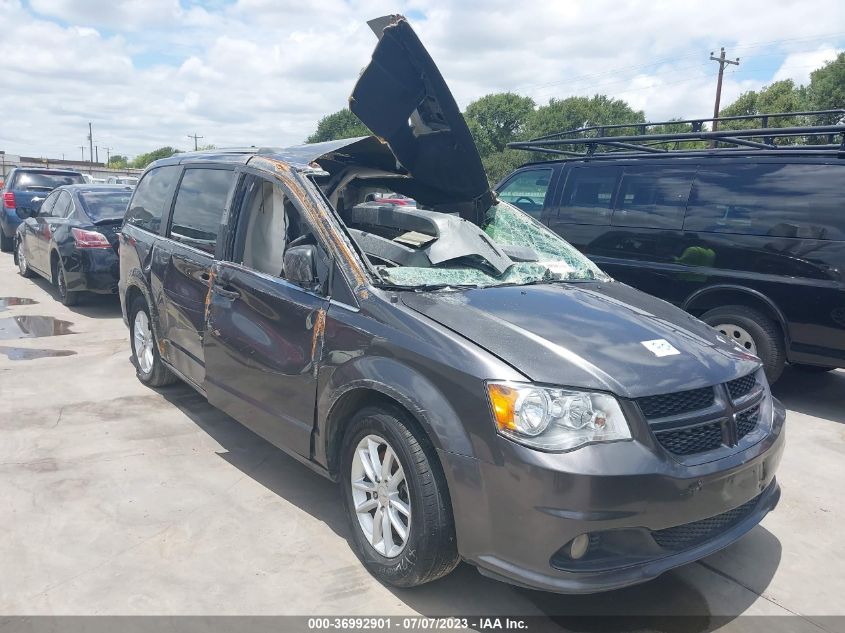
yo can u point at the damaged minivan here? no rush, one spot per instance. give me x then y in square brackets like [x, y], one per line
[478, 388]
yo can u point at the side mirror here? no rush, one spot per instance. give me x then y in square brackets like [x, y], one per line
[301, 266]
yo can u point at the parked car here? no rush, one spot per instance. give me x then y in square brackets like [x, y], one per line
[479, 388]
[24, 191]
[72, 239]
[750, 241]
[123, 180]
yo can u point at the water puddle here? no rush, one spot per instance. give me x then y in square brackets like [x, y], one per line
[5, 302]
[21, 353]
[32, 327]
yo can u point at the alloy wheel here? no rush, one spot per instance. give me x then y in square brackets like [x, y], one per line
[21, 259]
[739, 335]
[380, 496]
[143, 339]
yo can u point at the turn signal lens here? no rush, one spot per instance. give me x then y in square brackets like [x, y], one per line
[503, 399]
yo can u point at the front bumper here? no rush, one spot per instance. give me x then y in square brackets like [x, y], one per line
[513, 518]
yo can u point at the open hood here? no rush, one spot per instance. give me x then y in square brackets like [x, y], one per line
[403, 99]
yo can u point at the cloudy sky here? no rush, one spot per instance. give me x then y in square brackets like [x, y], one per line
[147, 73]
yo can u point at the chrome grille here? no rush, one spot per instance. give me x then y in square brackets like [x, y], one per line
[691, 534]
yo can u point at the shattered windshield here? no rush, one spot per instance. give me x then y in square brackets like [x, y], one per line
[537, 255]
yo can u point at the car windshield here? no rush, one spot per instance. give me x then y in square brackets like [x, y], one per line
[534, 254]
[105, 205]
[41, 180]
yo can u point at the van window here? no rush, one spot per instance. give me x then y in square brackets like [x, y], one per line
[777, 200]
[653, 197]
[527, 190]
[588, 195]
[199, 206]
[268, 222]
[151, 196]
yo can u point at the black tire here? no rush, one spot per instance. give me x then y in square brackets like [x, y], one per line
[21, 262]
[811, 369]
[765, 333]
[430, 551]
[67, 297]
[159, 375]
[6, 243]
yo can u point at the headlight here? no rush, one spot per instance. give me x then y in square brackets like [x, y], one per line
[555, 419]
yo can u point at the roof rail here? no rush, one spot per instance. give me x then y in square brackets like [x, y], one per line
[648, 138]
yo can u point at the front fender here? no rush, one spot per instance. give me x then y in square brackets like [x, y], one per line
[393, 379]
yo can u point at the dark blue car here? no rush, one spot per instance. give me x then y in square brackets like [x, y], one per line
[25, 189]
[72, 240]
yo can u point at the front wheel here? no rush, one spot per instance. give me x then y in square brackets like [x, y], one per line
[23, 264]
[753, 331]
[145, 354]
[397, 500]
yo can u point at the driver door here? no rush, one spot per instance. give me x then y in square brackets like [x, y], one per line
[264, 333]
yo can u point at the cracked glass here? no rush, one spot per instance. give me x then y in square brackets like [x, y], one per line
[557, 260]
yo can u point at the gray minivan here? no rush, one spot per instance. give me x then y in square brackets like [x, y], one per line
[480, 390]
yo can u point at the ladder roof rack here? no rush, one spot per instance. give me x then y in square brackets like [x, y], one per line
[641, 139]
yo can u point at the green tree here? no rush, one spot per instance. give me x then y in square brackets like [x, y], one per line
[202, 148]
[781, 96]
[118, 161]
[142, 160]
[826, 90]
[340, 124]
[498, 119]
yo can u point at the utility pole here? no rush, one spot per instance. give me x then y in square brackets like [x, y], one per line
[82, 147]
[90, 144]
[722, 63]
[195, 137]
[108, 155]
[97, 148]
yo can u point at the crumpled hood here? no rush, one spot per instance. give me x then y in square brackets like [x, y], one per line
[589, 335]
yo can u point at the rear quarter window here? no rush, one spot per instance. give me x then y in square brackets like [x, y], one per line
[151, 197]
[776, 200]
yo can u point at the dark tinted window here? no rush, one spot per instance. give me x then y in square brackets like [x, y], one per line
[653, 197]
[45, 180]
[61, 208]
[199, 206]
[527, 190]
[47, 206]
[588, 195]
[151, 197]
[105, 205]
[804, 201]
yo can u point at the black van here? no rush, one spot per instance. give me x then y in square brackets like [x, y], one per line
[750, 241]
[478, 387]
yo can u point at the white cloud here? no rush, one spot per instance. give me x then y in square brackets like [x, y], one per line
[798, 66]
[149, 72]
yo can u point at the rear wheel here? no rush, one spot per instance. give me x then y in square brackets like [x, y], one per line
[67, 297]
[20, 257]
[6, 243]
[753, 331]
[397, 500]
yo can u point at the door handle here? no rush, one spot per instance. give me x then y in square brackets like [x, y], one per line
[227, 292]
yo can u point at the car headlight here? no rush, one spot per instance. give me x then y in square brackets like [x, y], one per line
[555, 419]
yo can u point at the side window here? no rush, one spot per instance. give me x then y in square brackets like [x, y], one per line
[588, 195]
[268, 224]
[777, 200]
[200, 203]
[151, 197]
[527, 190]
[47, 206]
[61, 208]
[653, 197]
